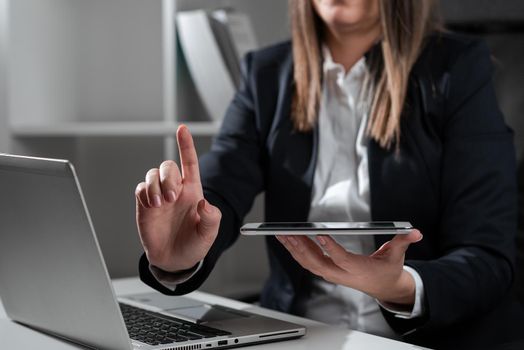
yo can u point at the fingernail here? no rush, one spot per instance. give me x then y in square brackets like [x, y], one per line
[293, 241]
[321, 240]
[157, 202]
[184, 130]
[171, 196]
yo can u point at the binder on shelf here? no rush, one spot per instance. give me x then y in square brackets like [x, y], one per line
[213, 44]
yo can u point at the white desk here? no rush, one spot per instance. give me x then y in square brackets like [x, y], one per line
[319, 335]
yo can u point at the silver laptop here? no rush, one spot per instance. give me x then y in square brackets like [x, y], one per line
[53, 276]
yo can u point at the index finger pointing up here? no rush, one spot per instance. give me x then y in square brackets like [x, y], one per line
[188, 155]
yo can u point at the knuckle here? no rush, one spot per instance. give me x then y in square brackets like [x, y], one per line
[152, 189]
[165, 180]
[151, 183]
[170, 174]
[151, 173]
[140, 188]
[167, 164]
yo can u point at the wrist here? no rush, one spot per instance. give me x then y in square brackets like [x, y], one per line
[403, 294]
[166, 264]
[172, 280]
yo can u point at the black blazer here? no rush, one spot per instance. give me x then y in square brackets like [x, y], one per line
[453, 178]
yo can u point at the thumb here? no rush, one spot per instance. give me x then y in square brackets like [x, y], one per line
[400, 243]
[396, 248]
[209, 219]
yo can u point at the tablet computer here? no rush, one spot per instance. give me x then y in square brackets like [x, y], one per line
[326, 228]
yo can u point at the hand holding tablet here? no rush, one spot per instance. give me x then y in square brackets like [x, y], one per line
[326, 228]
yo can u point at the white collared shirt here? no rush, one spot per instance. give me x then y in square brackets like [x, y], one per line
[341, 193]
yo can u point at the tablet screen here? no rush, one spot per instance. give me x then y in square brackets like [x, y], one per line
[328, 226]
[273, 225]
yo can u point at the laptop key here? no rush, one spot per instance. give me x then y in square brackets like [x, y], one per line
[181, 338]
[153, 329]
[206, 335]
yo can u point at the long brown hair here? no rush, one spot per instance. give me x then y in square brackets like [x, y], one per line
[404, 24]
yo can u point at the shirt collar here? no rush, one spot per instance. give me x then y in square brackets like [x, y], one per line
[330, 66]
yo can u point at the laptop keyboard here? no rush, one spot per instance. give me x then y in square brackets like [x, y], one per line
[154, 329]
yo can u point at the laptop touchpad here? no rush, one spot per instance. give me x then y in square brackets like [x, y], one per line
[207, 313]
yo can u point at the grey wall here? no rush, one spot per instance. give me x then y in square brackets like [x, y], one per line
[482, 10]
[109, 73]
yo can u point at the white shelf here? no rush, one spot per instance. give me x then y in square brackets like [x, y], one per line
[112, 129]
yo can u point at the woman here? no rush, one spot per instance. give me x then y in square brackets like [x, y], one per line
[371, 113]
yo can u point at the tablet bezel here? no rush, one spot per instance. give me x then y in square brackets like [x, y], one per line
[326, 228]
